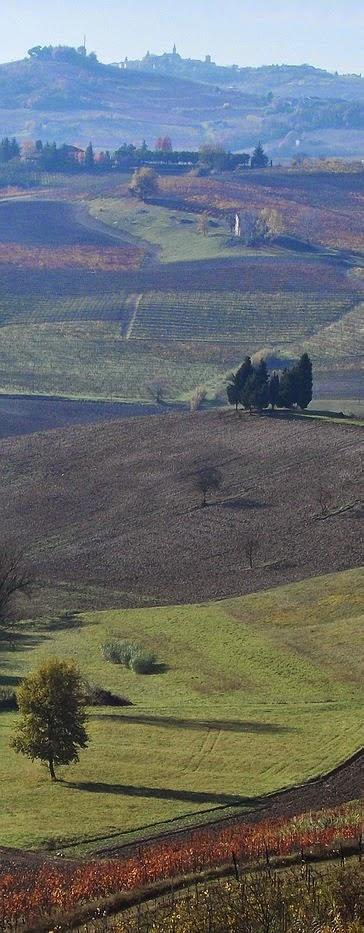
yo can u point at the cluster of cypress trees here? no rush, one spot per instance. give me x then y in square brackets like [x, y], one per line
[253, 387]
[9, 149]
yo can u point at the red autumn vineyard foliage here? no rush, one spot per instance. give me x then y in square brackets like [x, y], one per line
[31, 892]
[109, 258]
[327, 211]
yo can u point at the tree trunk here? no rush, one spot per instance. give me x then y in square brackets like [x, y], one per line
[51, 770]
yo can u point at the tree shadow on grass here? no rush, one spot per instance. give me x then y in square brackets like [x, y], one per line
[9, 680]
[159, 793]
[19, 642]
[170, 722]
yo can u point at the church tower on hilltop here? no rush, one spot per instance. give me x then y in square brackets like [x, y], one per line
[174, 49]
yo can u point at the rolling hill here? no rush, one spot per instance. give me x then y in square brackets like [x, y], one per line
[70, 98]
[100, 294]
[110, 515]
[256, 693]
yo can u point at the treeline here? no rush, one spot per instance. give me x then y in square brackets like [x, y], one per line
[253, 387]
[9, 149]
[63, 53]
[66, 158]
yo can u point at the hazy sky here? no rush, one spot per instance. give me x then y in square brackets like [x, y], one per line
[326, 33]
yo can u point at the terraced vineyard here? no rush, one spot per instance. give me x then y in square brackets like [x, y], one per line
[102, 310]
[280, 317]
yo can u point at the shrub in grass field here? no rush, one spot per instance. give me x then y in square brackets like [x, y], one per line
[142, 662]
[98, 696]
[131, 656]
[197, 397]
[111, 651]
[8, 700]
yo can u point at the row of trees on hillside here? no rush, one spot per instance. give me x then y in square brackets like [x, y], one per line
[9, 149]
[52, 157]
[253, 387]
[63, 53]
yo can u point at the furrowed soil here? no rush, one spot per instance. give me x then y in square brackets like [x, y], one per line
[115, 504]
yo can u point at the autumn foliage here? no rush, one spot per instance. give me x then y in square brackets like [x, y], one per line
[316, 210]
[28, 892]
[109, 258]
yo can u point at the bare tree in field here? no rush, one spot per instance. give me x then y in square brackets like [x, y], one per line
[323, 497]
[14, 580]
[202, 224]
[251, 546]
[207, 478]
[156, 388]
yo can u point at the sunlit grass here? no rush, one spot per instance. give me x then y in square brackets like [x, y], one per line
[257, 693]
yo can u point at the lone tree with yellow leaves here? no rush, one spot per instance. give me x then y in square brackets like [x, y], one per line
[144, 183]
[52, 706]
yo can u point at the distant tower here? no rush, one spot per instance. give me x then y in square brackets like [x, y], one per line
[174, 49]
[82, 49]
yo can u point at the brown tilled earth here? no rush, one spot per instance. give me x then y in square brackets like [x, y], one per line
[114, 505]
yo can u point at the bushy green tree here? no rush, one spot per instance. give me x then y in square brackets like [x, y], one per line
[52, 707]
[144, 183]
[207, 478]
[214, 156]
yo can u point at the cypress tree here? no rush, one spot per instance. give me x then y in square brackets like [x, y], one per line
[237, 382]
[273, 390]
[89, 158]
[243, 373]
[248, 394]
[260, 387]
[233, 392]
[304, 381]
[288, 388]
[259, 158]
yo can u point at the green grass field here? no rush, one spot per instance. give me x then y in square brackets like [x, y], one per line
[79, 360]
[174, 233]
[258, 692]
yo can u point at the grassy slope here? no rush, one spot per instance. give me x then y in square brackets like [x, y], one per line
[259, 692]
[173, 232]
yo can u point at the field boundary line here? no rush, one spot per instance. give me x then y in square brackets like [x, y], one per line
[135, 301]
[245, 816]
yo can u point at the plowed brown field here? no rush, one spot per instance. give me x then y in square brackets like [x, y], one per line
[114, 504]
